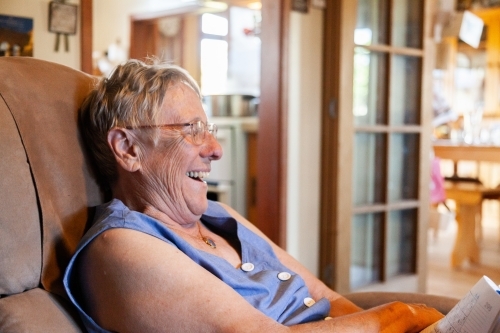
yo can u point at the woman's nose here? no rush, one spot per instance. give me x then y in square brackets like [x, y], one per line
[212, 148]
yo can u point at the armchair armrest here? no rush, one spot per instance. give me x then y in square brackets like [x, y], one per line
[368, 300]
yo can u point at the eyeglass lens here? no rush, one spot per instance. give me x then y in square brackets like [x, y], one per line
[199, 130]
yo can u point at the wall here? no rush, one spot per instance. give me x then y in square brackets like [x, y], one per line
[111, 23]
[112, 19]
[44, 41]
[304, 137]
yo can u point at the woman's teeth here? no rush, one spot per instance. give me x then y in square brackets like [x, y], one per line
[196, 174]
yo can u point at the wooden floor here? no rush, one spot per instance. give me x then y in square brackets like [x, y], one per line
[442, 279]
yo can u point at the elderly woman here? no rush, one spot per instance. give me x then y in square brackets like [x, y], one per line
[160, 257]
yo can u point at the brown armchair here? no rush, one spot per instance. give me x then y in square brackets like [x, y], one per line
[46, 188]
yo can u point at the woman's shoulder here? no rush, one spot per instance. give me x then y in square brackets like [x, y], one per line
[115, 214]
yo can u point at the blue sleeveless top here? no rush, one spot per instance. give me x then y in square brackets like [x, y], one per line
[262, 280]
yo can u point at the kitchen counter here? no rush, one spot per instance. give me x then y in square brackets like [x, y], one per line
[247, 124]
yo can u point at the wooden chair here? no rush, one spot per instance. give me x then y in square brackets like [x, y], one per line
[469, 196]
[486, 194]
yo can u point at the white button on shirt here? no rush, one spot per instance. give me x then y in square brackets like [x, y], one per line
[247, 267]
[308, 301]
[284, 276]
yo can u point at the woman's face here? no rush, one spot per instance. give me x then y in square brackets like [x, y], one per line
[174, 167]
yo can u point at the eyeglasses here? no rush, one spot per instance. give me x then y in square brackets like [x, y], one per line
[198, 129]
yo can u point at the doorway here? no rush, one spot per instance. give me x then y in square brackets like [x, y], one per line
[467, 82]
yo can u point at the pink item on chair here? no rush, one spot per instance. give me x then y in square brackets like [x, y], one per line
[437, 183]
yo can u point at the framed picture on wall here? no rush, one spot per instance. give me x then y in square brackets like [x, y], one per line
[62, 18]
[16, 36]
[300, 5]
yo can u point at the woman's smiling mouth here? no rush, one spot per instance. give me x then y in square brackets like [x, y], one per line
[197, 175]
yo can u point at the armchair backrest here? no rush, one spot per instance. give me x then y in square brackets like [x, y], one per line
[46, 185]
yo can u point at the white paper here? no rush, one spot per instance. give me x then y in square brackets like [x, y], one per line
[471, 29]
[477, 312]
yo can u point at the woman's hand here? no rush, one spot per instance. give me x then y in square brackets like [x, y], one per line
[424, 316]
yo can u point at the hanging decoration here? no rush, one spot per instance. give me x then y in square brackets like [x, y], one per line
[62, 21]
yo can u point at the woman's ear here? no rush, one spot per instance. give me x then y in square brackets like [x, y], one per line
[126, 152]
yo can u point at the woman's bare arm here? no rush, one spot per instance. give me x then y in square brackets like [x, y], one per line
[134, 282]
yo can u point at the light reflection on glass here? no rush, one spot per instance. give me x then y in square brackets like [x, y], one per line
[363, 36]
[361, 81]
[214, 25]
[214, 65]
[369, 87]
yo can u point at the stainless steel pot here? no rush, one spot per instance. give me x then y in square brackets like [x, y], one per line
[231, 105]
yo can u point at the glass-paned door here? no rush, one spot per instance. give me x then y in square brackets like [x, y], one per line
[381, 123]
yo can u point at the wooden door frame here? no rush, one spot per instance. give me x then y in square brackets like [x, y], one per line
[273, 109]
[86, 36]
[336, 157]
[272, 135]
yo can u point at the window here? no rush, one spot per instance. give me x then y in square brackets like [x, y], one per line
[230, 52]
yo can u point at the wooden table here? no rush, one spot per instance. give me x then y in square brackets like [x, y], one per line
[467, 195]
[448, 150]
